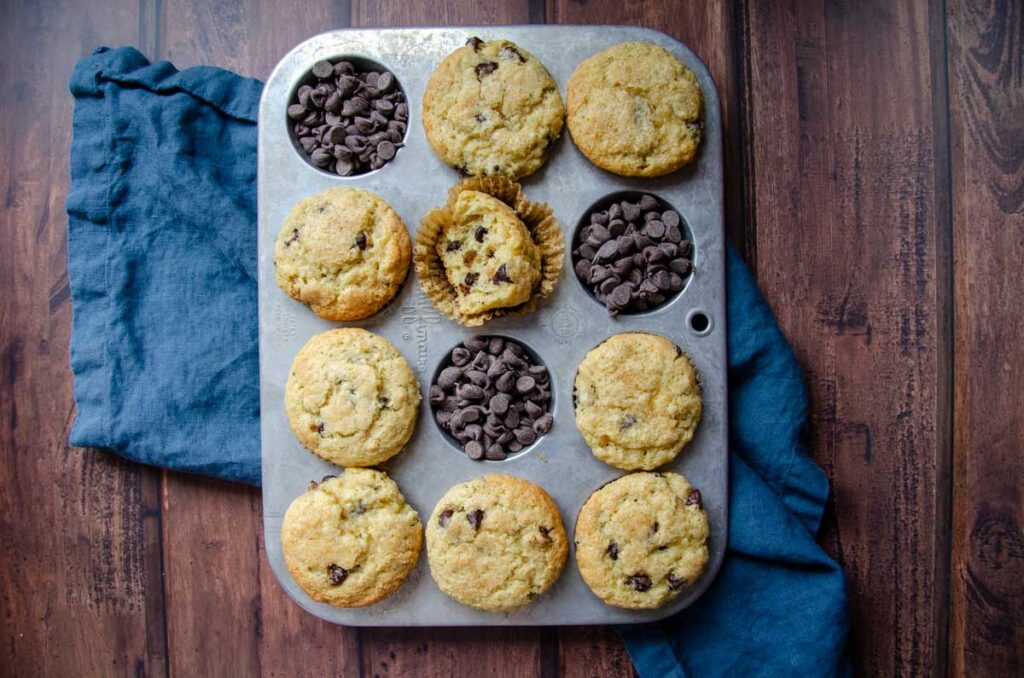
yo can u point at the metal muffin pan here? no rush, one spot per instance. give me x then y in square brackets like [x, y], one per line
[561, 331]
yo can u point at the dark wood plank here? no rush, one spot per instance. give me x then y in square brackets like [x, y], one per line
[845, 152]
[986, 83]
[707, 28]
[80, 556]
[447, 652]
[217, 569]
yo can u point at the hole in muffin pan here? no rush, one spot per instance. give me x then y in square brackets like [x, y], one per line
[362, 65]
[604, 204]
[451, 439]
[699, 322]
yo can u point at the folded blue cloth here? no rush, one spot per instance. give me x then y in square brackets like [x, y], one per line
[162, 258]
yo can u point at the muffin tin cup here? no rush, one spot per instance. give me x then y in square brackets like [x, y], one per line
[560, 330]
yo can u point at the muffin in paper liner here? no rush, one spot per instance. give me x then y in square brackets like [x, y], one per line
[537, 217]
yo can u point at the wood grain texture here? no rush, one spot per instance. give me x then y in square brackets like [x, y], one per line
[79, 529]
[986, 76]
[221, 592]
[842, 146]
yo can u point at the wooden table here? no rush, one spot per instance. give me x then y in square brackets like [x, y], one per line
[875, 175]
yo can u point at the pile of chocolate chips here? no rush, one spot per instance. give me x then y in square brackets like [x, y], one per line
[492, 398]
[352, 120]
[632, 256]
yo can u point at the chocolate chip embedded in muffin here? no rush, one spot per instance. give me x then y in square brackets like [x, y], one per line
[492, 398]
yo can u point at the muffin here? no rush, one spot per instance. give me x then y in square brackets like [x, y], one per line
[638, 400]
[496, 543]
[351, 540]
[491, 108]
[635, 109]
[345, 252]
[641, 540]
[488, 252]
[351, 398]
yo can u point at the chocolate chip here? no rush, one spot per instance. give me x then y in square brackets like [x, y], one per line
[501, 275]
[444, 516]
[639, 581]
[361, 240]
[693, 498]
[471, 278]
[648, 203]
[448, 377]
[612, 550]
[511, 49]
[499, 403]
[543, 424]
[453, 245]
[336, 574]
[485, 68]
[475, 518]
[386, 150]
[654, 527]
[674, 582]
[475, 43]
[533, 409]
[628, 421]
[525, 384]
[525, 435]
[474, 450]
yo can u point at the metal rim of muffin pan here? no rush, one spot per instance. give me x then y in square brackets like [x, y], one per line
[560, 332]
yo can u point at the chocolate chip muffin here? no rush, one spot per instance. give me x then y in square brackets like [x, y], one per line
[638, 400]
[491, 108]
[351, 398]
[345, 252]
[488, 254]
[496, 543]
[351, 540]
[641, 540]
[635, 110]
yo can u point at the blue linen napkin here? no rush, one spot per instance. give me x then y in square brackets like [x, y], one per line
[162, 258]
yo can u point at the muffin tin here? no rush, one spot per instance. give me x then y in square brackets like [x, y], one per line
[560, 332]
